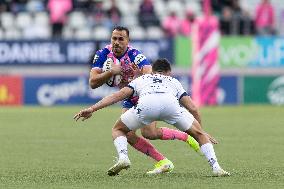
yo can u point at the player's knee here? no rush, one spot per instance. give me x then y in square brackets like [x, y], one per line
[150, 134]
[132, 138]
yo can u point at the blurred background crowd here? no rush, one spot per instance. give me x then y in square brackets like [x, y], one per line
[147, 19]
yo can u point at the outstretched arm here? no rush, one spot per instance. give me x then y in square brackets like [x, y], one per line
[106, 101]
[188, 103]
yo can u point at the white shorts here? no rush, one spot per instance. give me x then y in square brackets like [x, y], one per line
[157, 107]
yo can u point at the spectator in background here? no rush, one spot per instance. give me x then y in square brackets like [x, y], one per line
[114, 15]
[58, 10]
[97, 14]
[82, 5]
[4, 6]
[264, 18]
[171, 24]
[18, 5]
[186, 23]
[147, 16]
[225, 21]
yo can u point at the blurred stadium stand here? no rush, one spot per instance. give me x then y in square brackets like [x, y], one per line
[30, 19]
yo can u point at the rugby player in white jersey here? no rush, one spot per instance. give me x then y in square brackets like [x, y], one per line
[161, 98]
[130, 62]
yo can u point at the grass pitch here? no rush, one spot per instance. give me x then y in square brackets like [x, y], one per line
[45, 148]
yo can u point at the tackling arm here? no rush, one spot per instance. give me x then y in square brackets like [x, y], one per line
[106, 101]
[188, 104]
[113, 98]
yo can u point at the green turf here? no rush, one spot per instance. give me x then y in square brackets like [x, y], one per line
[45, 148]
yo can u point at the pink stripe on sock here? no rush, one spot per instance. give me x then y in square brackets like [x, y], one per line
[172, 134]
[147, 148]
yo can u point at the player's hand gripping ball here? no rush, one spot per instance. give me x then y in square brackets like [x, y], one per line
[115, 79]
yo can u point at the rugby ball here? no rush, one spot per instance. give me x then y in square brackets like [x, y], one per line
[114, 80]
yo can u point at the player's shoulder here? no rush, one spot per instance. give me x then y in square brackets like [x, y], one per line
[101, 55]
[106, 50]
[133, 51]
[143, 77]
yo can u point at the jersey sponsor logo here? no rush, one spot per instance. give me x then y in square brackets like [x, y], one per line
[96, 57]
[139, 58]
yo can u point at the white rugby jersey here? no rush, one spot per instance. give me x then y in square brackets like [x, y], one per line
[157, 83]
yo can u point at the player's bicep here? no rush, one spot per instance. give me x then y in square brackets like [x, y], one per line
[95, 71]
[99, 58]
[138, 58]
[187, 102]
[126, 92]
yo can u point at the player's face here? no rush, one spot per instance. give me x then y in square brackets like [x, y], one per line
[119, 42]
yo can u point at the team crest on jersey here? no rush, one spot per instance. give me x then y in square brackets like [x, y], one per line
[139, 58]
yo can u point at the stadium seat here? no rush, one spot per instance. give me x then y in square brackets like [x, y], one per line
[23, 20]
[137, 32]
[13, 33]
[77, 20]
[129, 21]
[194, 7]
[36, 32]
[1, 34]
[176, 6]
[41, 18]
[154, 32]
[7, 20]
[67, 33]
[160, 8]
[101, 33]
[83, 33]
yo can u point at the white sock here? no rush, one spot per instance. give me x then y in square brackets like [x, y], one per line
[209, 153]
[120, 144]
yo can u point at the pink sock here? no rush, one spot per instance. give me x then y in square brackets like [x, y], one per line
[147, 148]
[172, 134]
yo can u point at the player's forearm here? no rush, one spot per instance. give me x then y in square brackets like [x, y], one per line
[196, 115]
[188, 104]
[109, 100]
[98, 80]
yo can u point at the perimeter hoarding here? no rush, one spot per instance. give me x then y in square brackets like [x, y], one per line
[238, 52]
[227, 92]
[11, 90]
[48, 91]
[264, 90]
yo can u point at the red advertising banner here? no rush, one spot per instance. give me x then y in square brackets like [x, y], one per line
[11, 90]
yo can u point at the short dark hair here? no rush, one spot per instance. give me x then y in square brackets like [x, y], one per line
[121, 28]
[161, 65]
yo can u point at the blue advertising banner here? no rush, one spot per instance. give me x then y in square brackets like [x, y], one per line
[48, 91]
[72, 52]
[227, 92]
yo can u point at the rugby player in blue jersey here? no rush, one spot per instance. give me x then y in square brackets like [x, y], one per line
[129, 63]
